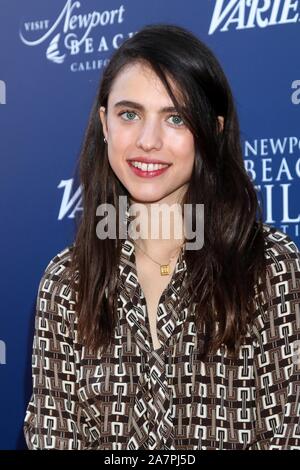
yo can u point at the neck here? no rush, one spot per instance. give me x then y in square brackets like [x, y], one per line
[159, 228]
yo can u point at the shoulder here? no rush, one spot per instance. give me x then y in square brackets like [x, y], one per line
[282, 255]
[278, 242]
[55, 282]
[60, 261]
[279, 298]
[56, 299]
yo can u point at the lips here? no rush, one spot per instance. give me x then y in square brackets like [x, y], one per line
[147, 173]
[148, 160]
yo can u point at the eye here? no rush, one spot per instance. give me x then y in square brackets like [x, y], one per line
[177, 117]
[128, 113]
[131, 114]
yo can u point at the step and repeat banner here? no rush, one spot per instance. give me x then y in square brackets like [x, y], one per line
[52, 54]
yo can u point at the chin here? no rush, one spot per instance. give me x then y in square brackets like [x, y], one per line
[139, 198]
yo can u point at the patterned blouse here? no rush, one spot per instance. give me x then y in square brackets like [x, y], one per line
[135, 397]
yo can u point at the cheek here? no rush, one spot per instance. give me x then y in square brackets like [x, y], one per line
[185, 151]
[119, 142]
[119, 134]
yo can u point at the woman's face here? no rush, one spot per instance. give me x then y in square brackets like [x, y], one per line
[145, 130]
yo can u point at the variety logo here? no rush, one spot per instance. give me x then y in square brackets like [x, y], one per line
[74, 34]
[2, 352]
[276, 164]
[2, 92]
[71, 203]
[296, 94]
[245, 14]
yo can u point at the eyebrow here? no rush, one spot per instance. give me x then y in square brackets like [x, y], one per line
[140, 107]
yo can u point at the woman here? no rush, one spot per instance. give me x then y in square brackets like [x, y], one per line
[141, 343]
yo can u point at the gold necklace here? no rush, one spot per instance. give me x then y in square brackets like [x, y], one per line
[164, 268]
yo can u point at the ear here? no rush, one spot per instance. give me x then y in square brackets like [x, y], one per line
[102, 117]
[221, 123]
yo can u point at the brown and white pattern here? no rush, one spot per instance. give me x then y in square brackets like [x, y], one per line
[134, 397]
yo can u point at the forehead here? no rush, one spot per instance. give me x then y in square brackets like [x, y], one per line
[139, 82]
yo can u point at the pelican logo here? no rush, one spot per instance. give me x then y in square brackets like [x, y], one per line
[2, 92]
[2, 352]
[245, 14]
[296, 93]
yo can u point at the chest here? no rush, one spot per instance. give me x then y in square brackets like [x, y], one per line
[153, 286]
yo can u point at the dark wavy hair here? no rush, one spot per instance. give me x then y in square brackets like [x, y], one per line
[222, 275]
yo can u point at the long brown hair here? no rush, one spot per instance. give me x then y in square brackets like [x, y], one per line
[223, 274]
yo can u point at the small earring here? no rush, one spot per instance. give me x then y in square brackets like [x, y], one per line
[105, 140]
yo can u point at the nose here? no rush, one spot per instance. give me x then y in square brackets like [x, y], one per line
[149, 136]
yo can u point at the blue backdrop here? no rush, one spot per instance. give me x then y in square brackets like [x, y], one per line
[51, 59]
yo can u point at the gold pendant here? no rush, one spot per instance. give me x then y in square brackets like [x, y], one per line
[164, 269]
